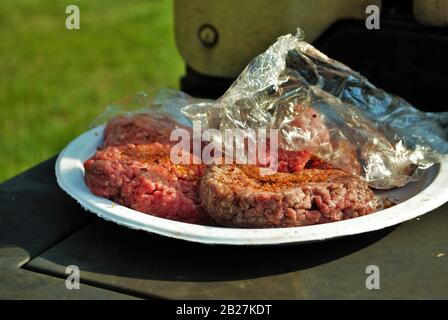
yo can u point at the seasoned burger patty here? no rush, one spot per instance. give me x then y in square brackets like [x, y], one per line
[143, 178]
[238, 196]
[133, 168]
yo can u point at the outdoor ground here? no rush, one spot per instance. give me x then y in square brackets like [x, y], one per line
[53, 81]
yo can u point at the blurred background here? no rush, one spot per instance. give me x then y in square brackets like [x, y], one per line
[54, 81]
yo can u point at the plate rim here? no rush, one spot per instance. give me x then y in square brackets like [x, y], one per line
[425, 201]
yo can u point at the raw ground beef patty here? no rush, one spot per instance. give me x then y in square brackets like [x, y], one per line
[133, 168]
[140, 128]
[238, 196]
[143, 178]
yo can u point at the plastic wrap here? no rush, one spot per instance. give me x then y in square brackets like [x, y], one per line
[162, 105]
[318, 105]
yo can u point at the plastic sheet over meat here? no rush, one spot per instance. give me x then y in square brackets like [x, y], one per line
[319, 104]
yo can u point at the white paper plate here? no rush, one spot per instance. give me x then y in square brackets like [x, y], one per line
[415, 199]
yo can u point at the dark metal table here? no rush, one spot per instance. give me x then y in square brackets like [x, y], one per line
[42, 231]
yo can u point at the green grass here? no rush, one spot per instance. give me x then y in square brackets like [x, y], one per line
[53, 81]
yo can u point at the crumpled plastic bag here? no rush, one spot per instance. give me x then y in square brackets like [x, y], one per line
[321, 105]
[318, 105]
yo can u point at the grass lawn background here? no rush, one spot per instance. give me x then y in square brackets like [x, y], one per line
[54, 81]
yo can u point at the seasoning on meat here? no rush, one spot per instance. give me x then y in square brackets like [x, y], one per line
[238, 196]
[143, 178]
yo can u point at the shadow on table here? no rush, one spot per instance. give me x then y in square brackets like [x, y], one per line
[108, 249]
